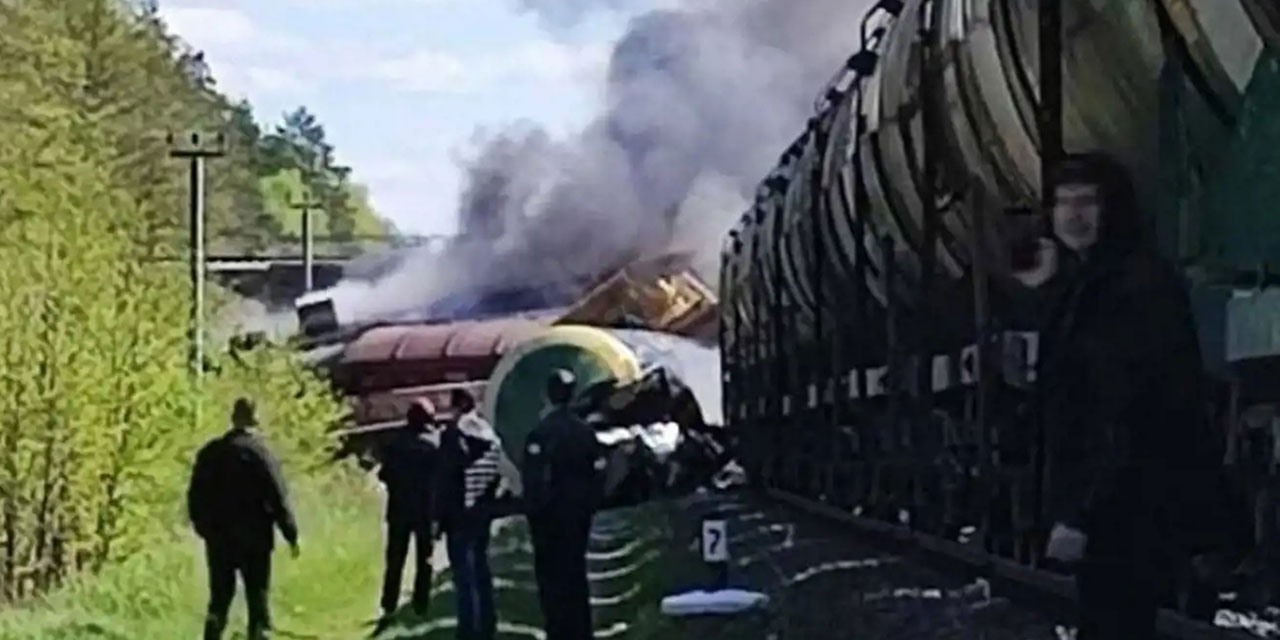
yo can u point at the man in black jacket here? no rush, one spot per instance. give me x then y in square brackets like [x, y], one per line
[408, 468]
[237, 494]
[563, 479]
[1122, 404]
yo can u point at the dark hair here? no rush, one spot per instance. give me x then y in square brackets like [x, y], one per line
[460, 399]
[1121, 220]
[420, 412]
[244, 412]
[560, 386]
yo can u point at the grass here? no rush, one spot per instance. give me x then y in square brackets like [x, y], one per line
[331, 591]
[326, 593]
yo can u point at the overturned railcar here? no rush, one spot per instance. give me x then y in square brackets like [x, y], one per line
[875, 356]
[652, 398]
[649, 379]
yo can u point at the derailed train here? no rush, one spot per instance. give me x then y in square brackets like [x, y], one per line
[876, 355]
[637, 341]
[652, 398]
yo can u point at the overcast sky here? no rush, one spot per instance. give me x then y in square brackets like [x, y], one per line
[402, 86]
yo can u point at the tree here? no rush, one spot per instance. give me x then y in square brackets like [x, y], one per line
[96, 400]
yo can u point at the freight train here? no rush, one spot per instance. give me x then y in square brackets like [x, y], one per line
[876, 355]
[638, 341]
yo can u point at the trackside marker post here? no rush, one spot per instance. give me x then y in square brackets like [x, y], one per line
[715, 551]
[718, 599]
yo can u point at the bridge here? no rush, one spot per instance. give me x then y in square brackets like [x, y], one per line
[276, 275]
[236, 264]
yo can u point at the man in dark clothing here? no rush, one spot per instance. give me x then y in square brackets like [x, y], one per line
[1121, 400]
[563, 478]
[408, 468]
[237, 495]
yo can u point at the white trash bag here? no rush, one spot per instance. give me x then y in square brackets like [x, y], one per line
[721, 602]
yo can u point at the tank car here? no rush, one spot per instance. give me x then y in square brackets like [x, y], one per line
[874, 356]
[652, 398]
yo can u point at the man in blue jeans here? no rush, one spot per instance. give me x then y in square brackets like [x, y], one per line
[471, 460]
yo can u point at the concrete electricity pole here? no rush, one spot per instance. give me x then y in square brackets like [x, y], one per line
[306, 203]
[196, 146]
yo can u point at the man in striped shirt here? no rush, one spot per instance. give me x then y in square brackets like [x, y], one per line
[473, 466]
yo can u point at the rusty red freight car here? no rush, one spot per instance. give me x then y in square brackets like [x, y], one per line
[386, 367]
[419, 355]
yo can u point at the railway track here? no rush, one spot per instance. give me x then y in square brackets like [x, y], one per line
[829, 575]
[963, 592]
[627, 558]
[826, 581]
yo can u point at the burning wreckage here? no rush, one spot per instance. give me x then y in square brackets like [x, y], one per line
[641, 342]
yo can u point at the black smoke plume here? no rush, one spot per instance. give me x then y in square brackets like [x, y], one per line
[701, 99]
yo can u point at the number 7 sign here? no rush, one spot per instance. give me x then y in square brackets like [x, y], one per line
[715, 541]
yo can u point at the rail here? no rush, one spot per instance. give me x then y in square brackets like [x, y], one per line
[1048, 588]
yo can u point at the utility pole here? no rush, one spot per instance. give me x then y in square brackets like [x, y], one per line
[306, 203]
[196, 146]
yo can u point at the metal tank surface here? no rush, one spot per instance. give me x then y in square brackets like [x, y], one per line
[857, 171]
[653, 399]
[877, 354]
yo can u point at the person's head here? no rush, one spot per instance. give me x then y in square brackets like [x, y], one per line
[461, 401]
[1095, 207]
[420, 414]
[243, 414]
[560, 387]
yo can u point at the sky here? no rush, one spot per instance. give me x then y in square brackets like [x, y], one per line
[403, 87]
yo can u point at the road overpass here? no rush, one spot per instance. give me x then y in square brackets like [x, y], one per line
[276, 275]
[274, 281]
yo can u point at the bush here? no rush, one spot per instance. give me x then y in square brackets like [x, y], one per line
[97, 401]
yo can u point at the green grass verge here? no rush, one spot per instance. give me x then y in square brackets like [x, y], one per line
[331, 592]
[326, 593]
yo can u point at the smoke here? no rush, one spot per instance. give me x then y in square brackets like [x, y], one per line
[700, 101]
[250, 316]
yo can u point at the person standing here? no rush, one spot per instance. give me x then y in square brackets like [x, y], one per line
[1121, 402]
[562, 479]
[471, 468]
[236, 496]
[408, 467]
